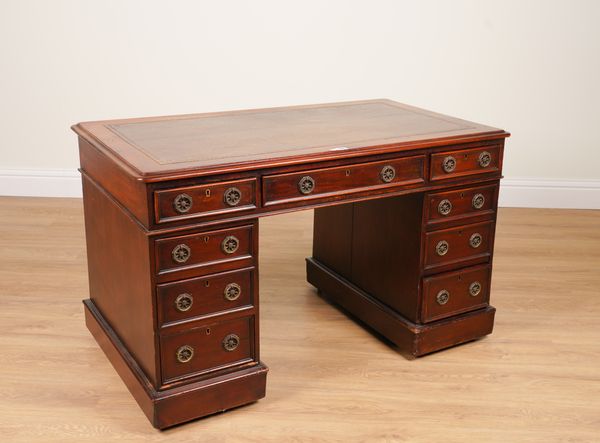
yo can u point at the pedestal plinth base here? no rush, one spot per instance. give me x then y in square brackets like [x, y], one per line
[415, 339]
[183, 403]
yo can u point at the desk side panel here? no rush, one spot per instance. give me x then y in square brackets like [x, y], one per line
[122, 186]
[120, 271]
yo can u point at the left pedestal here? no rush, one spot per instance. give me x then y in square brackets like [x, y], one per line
[175, 311]
[180, 404]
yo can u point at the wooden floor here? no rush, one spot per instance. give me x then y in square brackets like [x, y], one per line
[537, 378]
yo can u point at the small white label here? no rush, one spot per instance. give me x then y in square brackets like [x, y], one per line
[341, 148]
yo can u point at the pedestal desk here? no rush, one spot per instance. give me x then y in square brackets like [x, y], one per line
[405, 210]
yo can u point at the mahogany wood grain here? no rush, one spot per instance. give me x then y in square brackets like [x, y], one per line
[456, 330]
[459, 249]
[170, 407]
[385, 251]
[457, 284]
[416, 339]
[212, 222]
[285, 188]
[210, 396]
[115, 178]
[206, 249]
[207, 200]
[332, 235]
[207, 295]
[118, 264]
[123, 362]
[206, 340]
[462, 207]
[467, 162]
[140, 201]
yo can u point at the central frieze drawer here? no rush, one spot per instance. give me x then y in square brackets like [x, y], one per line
[319, 183]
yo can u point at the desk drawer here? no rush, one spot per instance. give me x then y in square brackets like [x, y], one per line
[207, 347]
[318, 183]
[204, 248]
[458, 163]
[461, 203]
[455, 292]
[195, 297]
[455, 245]
[204, 200]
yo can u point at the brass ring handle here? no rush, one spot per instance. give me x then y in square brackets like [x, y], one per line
[485, 158]
[181, 253]
[442, 297]
[232, 291]
[184, 354]
[231, 342]
[232, 196]
[388, 173]
[445, 207]
[306, 185]
[230, 244]
[182, 203]
[475, 240]
[449, 163]
[184, 302]
[478, 201]
[442, 248]
[475, 288]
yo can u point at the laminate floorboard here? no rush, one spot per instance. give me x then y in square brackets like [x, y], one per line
[535, 379]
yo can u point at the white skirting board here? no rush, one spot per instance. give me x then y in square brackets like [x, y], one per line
[514, 192]
[555, 193]
[40, 182]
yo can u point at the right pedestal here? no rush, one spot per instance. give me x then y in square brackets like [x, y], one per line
[415, 268]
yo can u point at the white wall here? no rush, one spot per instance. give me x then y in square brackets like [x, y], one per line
[531, 67]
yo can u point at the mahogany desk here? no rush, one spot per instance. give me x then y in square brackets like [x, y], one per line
[171, 216]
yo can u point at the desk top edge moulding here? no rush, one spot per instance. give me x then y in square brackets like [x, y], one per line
[405, 205]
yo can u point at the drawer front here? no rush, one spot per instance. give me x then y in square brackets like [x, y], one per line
[455, 292]
[204, 200]
[208, 347]
[452, 205]
[204, 248]
[319, 183]
[449, 246]
[195, 297]
[458, 163]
